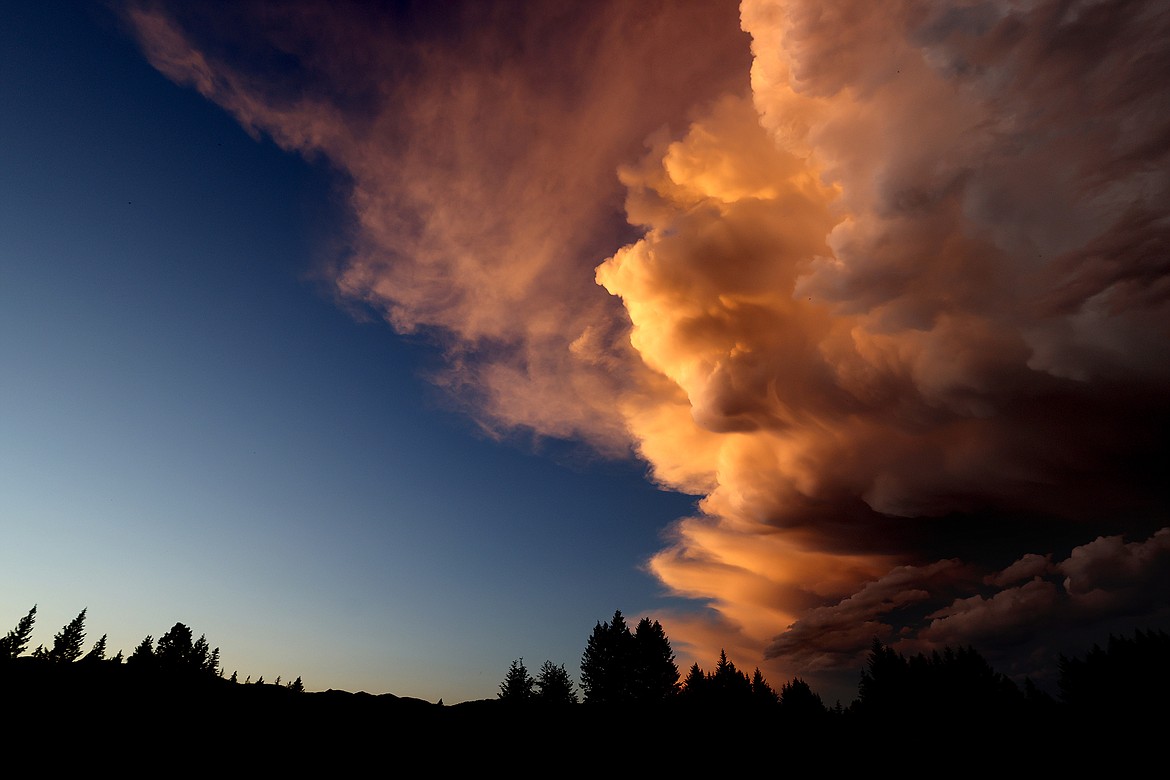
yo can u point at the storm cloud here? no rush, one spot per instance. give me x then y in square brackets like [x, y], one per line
[885, 283]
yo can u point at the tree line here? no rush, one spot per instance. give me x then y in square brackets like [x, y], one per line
[620, 666]
[623, 667]
[177, 653]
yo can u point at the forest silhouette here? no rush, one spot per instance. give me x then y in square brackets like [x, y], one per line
[169, 690]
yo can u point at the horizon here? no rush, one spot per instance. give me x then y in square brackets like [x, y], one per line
[394, 344]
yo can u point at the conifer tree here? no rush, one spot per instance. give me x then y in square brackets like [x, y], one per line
[200, 654]
[554, 686]
[655, 674]
[517, 684]
[16, 640]
[98, 653]
[67, 643]
[695, 685]
[607, 664]
[143, 655]
[798, 699]
[728, 684]
[761, 691]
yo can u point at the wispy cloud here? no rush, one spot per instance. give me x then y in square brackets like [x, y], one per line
[480, 142]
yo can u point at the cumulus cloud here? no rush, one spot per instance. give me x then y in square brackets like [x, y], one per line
[920, 301]
[837, 636]
[1022, 616]
[888, 287]
[1026, 568]
[1111, 573]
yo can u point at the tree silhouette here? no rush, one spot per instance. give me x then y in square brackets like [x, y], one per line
[16, 640]
[1122, 679]
[934, 694]
[517, 684]
[608, 662]
[620, 666]
[955, 683]
[727, 684]
[554, 686]
[797, 699]
[98, 653]
[143, 655]
[67, 642]
[695, 685]
[884, 680]
[175, 647]
[761, 691]
[655, 674]
[177, 652]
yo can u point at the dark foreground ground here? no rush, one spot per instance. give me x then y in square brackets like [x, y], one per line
[81, 720]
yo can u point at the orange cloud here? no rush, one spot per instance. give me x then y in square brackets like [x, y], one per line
[480, 146]
[853, 279]
[896, 308]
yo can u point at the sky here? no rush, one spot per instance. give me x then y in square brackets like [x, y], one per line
[387, 343]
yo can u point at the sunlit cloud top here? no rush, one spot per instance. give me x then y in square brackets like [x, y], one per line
[886, 283]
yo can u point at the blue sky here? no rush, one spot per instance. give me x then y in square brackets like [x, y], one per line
[192, 429]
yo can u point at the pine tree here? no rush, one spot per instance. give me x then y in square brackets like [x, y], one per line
[200, 654]
[798, 699]
[554, 686]
[67, 643]
[761, 691]
[728, 684]
[607, 664]
[143, 655]
[884, 681]
[98, 653]
[655, 674]
[296, 686]
[953, 683]
[695, 686]
[14, 643]
[517, 685]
